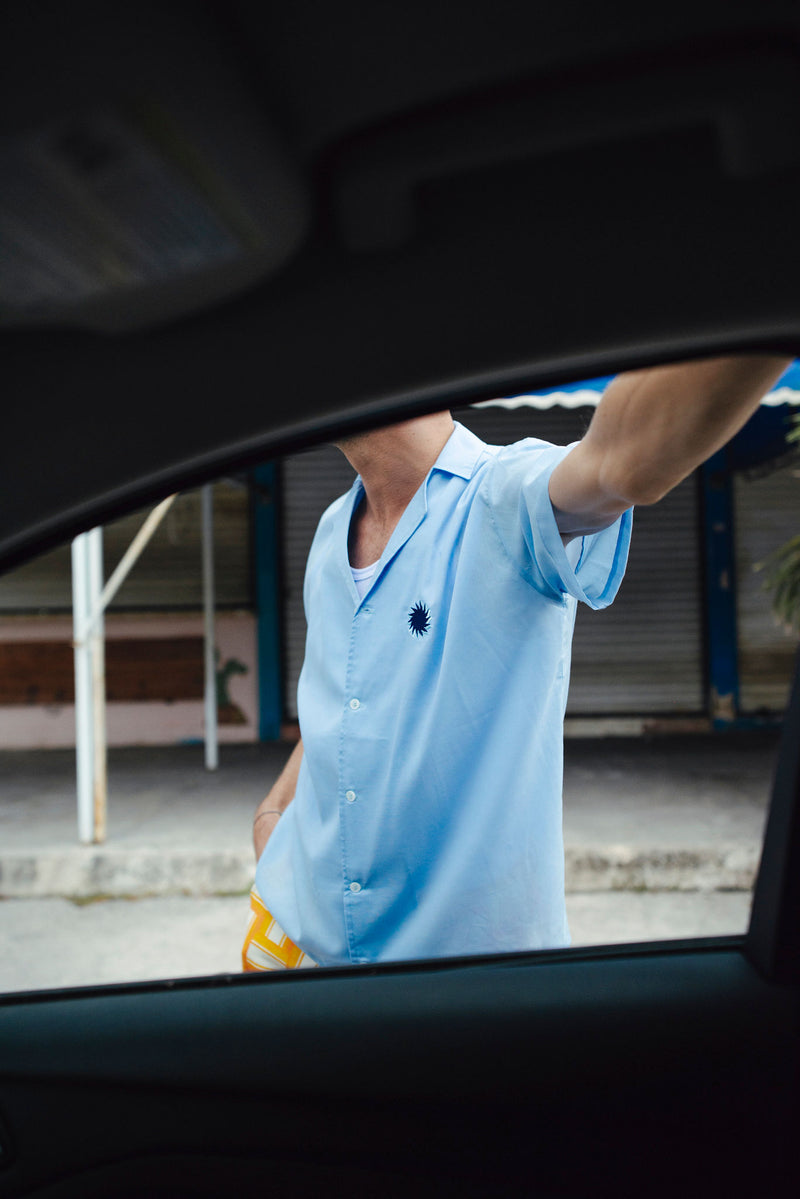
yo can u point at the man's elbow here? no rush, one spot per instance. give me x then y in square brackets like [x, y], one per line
[636, 486]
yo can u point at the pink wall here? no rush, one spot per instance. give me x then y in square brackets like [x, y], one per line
[156, 723]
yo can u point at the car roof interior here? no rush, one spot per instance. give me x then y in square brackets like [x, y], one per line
[264, 224]
[430, 208]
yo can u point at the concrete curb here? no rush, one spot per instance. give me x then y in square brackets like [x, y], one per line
[88, 873]
[92, 872]
[622, 868]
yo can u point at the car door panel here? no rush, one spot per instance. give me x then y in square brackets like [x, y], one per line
[359, 1064]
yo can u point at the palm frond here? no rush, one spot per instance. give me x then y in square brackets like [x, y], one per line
[782, 578]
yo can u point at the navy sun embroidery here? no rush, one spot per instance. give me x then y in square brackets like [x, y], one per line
[419, 619]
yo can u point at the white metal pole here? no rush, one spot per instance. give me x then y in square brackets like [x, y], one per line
[123, 567]
[211, 735]
[84, 749]
[97, 648]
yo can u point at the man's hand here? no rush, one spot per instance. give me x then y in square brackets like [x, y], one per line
[651, 429]
[277, 801]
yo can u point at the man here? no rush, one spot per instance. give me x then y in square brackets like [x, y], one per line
[420, 814]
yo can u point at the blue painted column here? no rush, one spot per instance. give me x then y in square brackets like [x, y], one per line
[267, 585]
[716, 481]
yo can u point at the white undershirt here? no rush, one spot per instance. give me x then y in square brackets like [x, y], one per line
[362, 577]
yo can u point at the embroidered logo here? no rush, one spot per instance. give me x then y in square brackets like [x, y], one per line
[419, 619]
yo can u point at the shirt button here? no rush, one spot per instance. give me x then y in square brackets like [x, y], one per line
[350, 796]
[355, 888]
[354, 703]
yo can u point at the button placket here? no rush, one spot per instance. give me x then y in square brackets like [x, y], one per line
[352, 861]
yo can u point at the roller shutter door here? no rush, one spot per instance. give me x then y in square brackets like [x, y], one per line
[311, 481]
[168, 575]
[641, 656]
[644, 654]
[767, 513]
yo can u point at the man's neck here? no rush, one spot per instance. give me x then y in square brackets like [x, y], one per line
[392, 463]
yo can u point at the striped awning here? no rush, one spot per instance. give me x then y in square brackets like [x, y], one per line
[588, 392]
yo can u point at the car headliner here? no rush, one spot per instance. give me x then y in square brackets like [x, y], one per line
[495, 197]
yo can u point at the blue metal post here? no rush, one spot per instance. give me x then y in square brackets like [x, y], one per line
[267, 581]
[720, 558]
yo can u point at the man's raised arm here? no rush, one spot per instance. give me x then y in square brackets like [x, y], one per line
[650, 430]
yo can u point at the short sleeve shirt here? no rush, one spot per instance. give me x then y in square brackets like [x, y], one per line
[427, 816]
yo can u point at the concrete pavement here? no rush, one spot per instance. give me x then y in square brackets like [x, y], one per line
[56, 943]
[662, 841]
[681, 813]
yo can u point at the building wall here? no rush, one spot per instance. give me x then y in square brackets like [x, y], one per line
[154, 634]
[646, 657]
[160, 655]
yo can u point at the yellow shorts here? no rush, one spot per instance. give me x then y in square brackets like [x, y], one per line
[266, 946]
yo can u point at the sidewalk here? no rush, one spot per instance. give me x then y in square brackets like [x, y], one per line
[676, 813]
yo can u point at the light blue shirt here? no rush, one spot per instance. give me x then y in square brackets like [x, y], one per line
[427, 816]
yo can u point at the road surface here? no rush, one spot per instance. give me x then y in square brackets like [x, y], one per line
[57, 943]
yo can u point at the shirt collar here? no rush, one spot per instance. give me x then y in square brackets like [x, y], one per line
[460, 453]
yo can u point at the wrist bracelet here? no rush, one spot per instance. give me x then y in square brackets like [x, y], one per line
[268, 812]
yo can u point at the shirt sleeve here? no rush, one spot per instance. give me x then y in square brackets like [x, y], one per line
[518, 499]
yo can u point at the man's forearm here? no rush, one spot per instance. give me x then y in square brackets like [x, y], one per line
[280, 795]
[653, 428]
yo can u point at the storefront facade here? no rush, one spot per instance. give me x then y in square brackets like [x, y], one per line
[689, 643]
